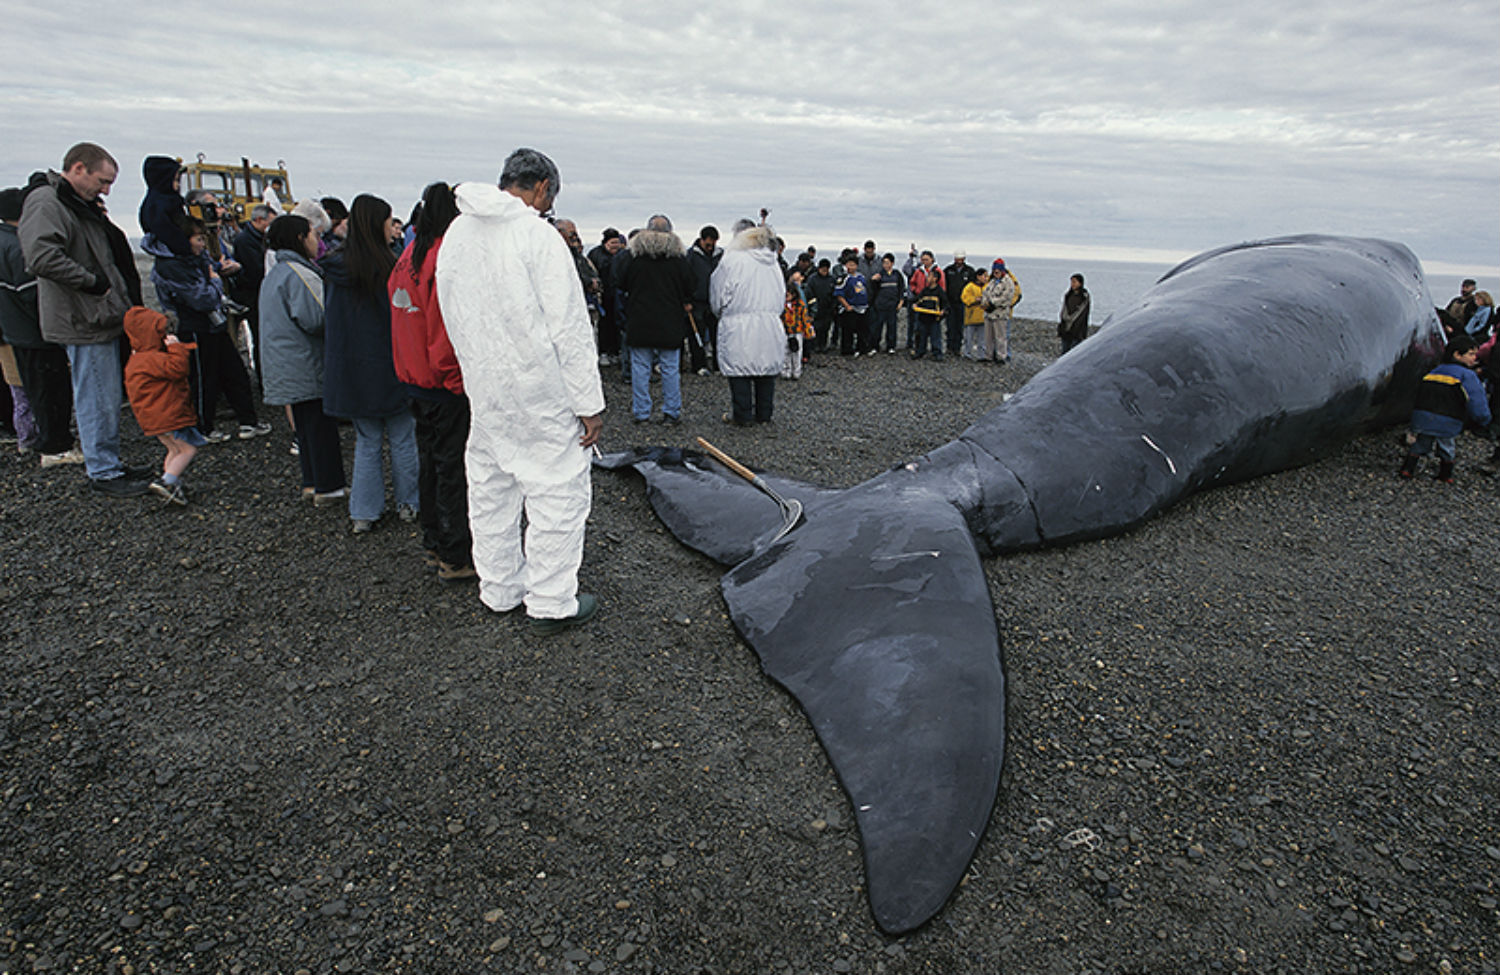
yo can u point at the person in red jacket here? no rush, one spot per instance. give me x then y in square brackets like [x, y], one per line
[426, 363]
[156, 380]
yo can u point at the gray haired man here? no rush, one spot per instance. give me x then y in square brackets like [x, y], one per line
[515, 313]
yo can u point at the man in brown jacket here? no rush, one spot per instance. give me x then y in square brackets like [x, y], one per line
[86, 280]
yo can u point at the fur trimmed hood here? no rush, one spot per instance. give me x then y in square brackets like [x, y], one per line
[754, 238]
[656, 245]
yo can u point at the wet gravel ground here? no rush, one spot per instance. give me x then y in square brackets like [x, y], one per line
[1257, 735]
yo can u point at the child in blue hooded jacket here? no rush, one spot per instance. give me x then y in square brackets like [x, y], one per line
[190, 289]
[163, 212]
[1447, 397]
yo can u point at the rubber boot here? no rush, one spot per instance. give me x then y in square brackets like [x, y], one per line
[1445, 471]
[1409, 465]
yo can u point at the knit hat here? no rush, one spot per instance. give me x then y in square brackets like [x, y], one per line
[999, 264]
[10, 204]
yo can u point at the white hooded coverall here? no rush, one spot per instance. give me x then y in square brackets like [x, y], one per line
[515, 313]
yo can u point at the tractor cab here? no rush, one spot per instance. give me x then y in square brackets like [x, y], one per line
[239, 187]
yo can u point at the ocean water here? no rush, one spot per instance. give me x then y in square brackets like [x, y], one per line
[1111, 284]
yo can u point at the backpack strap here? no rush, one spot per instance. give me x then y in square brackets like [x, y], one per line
[309, 276]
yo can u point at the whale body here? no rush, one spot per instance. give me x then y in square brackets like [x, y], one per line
[875, 612]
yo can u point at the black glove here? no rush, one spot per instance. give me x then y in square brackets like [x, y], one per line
[99, 286]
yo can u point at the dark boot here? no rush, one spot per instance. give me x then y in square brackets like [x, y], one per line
[1409, 465]
[1445, 471]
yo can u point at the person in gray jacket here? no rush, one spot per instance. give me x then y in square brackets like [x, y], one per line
[86, 281]
[291, 354]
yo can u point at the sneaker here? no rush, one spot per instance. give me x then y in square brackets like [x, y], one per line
[704, 372]
[248, 432]
[588, 605]
[672, 421]
[216, 436]
[332, 497]
[406, 512]
[169, 493]
[455, 573]
[361, 526]
[73, 456]
[295, 450]
[119, 487]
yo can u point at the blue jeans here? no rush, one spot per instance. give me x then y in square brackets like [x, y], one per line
[98, 392]
[929, 330]
[641, 361]
[1427, 443]
[367, 492]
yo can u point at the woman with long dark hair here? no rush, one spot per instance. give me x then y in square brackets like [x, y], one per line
[291, 335]
[425, 361]
[359, 379]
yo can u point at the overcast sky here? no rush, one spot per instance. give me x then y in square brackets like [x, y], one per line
[1144, 130]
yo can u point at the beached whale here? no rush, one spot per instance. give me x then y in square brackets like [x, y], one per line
[875, 612]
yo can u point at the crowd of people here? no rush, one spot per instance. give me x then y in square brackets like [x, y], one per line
[1463, 391]
[468, 344]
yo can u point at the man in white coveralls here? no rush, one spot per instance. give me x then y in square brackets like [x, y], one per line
[516, 315]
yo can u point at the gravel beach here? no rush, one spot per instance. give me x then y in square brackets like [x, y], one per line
[1258, 734]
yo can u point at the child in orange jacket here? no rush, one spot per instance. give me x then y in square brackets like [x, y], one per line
[156, 380]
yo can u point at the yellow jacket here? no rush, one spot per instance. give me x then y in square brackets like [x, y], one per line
[973, 314]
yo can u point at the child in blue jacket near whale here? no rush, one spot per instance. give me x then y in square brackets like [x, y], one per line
[1447, 397]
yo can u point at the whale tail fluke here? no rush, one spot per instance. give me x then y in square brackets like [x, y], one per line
[875, 614]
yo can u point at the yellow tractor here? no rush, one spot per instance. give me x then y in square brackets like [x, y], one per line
[240, 187]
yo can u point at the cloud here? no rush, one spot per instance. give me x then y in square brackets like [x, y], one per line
[1163, 125]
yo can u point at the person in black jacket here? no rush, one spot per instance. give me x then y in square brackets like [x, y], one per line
[957, 276]
[250, 253]
[1073, 320]
[703, 257]
[602, 257]
[43, 365]
[653, 274]
[821, 304]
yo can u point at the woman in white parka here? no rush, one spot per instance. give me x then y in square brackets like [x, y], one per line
[747, 292]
